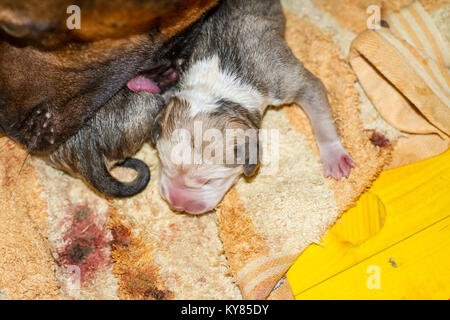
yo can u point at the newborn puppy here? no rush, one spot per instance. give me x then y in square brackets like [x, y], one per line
[241, 64]
[117, 132]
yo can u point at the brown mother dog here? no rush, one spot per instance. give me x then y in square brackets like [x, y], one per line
[52, 79]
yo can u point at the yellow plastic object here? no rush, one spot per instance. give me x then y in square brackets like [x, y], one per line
[395, 244]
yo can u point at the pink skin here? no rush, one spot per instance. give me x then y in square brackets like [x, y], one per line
[337, 163]
[200, 196]
[141, 83]
[182, 198]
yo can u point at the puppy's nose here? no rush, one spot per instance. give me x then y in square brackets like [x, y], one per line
[181, 201]
[176, 199]
[195, 207]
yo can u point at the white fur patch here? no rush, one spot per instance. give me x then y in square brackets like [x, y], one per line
[204, 82]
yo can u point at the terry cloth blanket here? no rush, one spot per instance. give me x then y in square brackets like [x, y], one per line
[59, 239]
[404, 69]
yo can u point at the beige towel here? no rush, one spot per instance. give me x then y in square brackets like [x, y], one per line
[404, 69]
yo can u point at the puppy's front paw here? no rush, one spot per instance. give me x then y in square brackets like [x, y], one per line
[337, 163]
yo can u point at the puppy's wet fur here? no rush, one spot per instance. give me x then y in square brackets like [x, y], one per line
[241, 64]
[109, 139]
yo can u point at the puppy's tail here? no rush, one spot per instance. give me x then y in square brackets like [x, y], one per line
[101, 179]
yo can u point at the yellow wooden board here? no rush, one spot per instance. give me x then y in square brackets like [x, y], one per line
[395, 244]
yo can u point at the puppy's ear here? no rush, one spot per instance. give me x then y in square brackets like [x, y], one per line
[251, 153]
[250, 169]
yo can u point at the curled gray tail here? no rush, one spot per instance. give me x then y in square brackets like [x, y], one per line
[102, 180]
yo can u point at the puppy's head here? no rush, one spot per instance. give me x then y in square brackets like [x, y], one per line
[203, 153]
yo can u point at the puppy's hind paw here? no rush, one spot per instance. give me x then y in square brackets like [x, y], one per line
[337, 163]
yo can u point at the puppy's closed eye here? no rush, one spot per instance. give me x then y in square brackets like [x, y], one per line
[212, 182]
[202, 181]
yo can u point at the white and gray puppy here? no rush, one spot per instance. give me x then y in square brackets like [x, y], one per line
[241, 64]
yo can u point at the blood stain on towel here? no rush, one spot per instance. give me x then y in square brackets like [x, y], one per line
[87, 242]
[379, 140]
